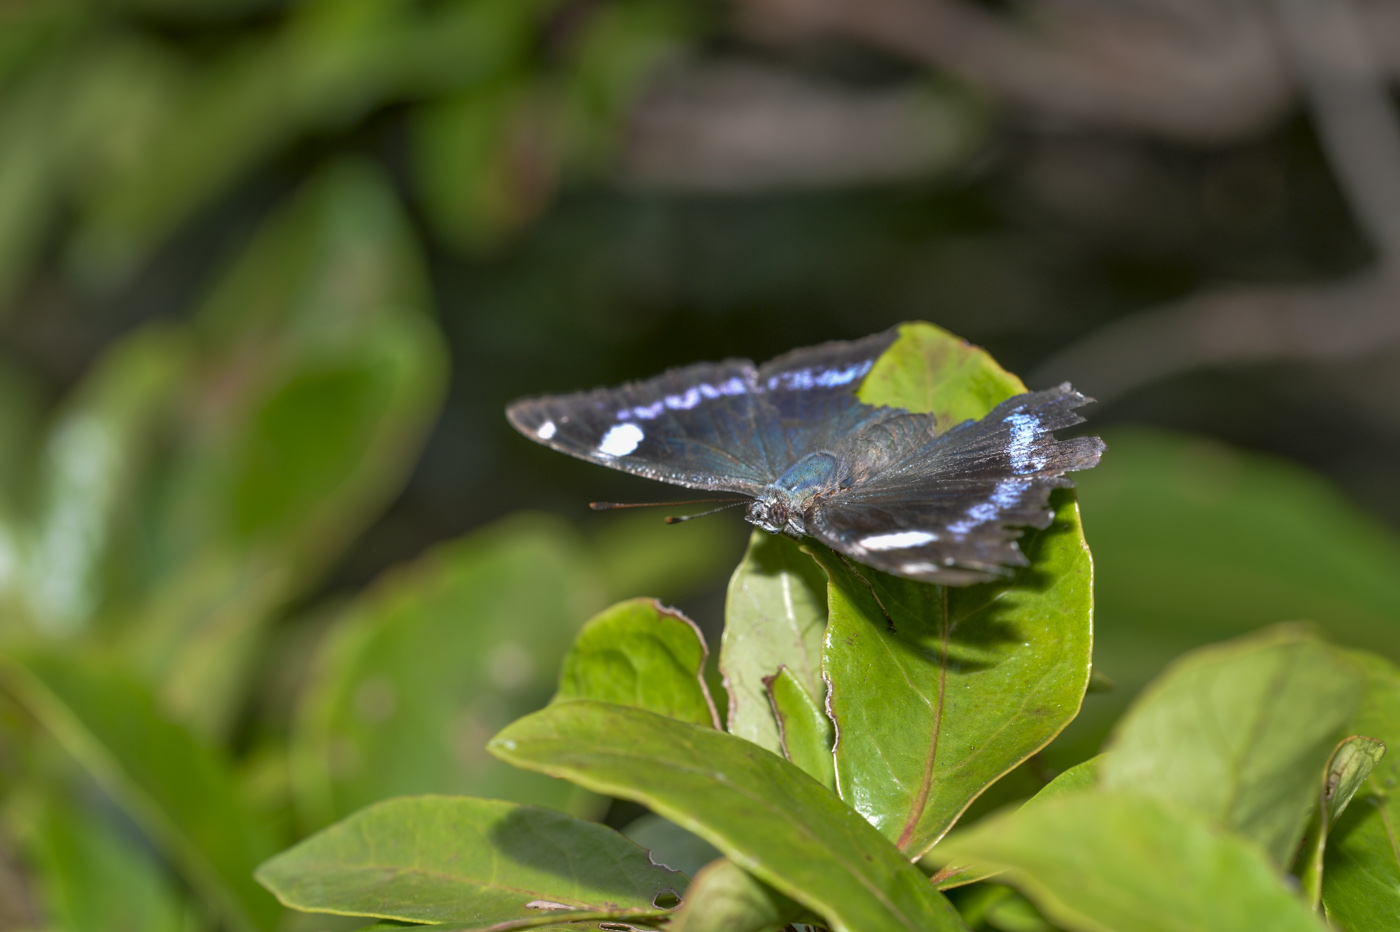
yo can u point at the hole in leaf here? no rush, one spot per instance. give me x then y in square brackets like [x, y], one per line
[666, 899]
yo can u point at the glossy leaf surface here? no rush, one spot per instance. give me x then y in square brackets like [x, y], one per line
[1104, 861]
[1361, 880]
[641, 654]
[460, 860]
[763, 812]
[971, 682]
[1240, 733]
[806, 732]
[775, 616]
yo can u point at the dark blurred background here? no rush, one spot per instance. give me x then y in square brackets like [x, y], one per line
[270, 272]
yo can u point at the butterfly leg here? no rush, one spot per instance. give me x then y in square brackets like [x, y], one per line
[868, 587]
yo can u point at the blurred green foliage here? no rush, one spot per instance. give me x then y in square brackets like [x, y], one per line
[195, 673]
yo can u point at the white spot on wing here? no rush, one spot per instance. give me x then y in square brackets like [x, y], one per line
[1023, 428]
[547, 430]
[620, 440]
[901, 540]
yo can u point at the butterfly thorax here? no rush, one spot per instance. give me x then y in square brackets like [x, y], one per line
[783, 506]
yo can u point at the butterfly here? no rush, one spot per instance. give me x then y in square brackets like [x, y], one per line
[880, 485]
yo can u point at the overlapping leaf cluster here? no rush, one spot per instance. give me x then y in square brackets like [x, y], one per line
[865, 713]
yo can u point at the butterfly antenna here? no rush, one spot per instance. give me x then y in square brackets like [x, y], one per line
[608, 506]
[677, 519]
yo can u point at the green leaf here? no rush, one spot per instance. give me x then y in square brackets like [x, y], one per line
[1196, 542]
[1106, 861]
[774, 617]
[977, 678]
[641, 654]
[946, 876]
[1361, 883]
[480, 862]
[724, 897]
[1240, 733]
[973, 680]
[764, 813]
[932, 371]
[177, 788]
[435, 658]
[806, 732]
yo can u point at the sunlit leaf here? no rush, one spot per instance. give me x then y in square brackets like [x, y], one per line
[807, 734]
[764, 813]
[472, 862]
[774, 617]
[974, 679]
[641, 654]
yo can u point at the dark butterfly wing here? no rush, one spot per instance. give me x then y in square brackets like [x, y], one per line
[950, 511]
[723, 426]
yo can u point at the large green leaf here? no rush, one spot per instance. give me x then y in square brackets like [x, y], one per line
[436, 658]
[1361, 883]
[931, 371]
[971, 682]
[177, 788]
[641, 654]
[1240, 733]
[1109, 862]
[760, 810]
[477, 862]
[726, 898]
[774, 617]
[1196, 542]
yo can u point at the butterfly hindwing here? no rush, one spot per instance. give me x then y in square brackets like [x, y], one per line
[950, 511]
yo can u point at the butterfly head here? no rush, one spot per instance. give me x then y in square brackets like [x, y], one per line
[775, 512]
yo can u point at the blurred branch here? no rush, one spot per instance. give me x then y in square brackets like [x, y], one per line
[739, 128]
[1346, 95]
[1219, 74]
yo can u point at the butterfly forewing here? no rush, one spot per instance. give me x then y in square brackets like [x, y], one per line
[699, 427]
[726, 426]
